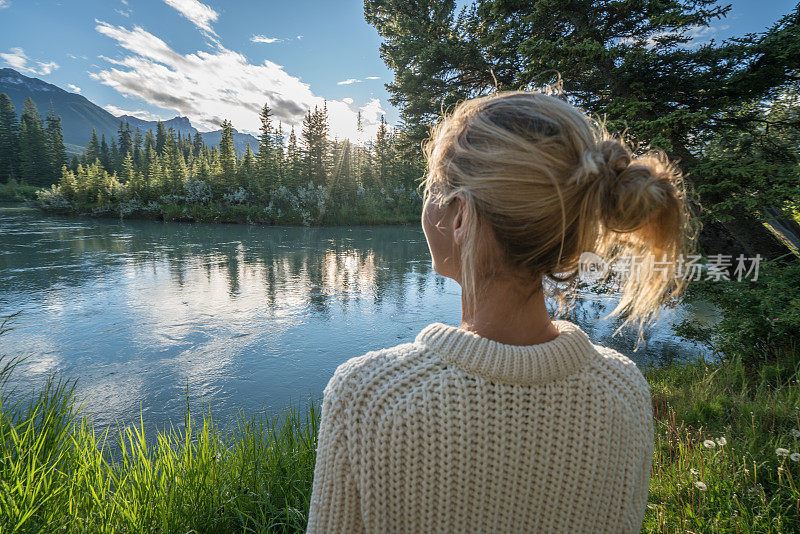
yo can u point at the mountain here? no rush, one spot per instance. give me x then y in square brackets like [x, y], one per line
[79, 114]
[179, 124]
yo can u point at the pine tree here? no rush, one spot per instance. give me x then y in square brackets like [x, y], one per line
[139, 160]
[92, 149]
[125, 138]
[57, 154]
[9, 140]
[197, 145]
[227, 154]
[315, 138]
[176, 166]
[156, 177]
[126, 172]
[35, 164]
[341, 176]
[161, 137]
[149, 147]
[67, 184]
[266, 145]
[114, 157]
[105, 156]
[293, 161]
[280, 157]
[247, 171]
[382, 153]
[629, 62]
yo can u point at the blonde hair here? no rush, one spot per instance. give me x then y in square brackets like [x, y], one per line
[551, 184]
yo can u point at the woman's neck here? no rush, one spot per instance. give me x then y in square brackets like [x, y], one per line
[509, 314]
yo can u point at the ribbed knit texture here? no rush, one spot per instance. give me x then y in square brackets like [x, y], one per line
[458, 433]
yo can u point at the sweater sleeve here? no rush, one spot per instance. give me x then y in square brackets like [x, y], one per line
[335, 503]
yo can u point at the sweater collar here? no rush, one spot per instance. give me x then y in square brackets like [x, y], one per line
[514, 364]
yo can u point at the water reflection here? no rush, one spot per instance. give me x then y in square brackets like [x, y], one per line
[237, 316]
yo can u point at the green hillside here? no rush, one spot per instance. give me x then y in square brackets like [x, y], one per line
[79, 115]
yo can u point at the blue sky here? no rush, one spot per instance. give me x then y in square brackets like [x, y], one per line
[215, 59]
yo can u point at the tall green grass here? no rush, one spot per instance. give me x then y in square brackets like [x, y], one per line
[725, 440]
[57, 474]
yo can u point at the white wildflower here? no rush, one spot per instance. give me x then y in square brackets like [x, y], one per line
[795, 457]
[796, 433]
[694, 471]
[700, 485]
[722, 441]
[781, 452]
[709, 444]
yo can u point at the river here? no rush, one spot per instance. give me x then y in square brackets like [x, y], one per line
[148, 316]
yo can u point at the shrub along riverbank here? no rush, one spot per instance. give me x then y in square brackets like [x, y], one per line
[727, 459]
[304, 205]
[14, 192]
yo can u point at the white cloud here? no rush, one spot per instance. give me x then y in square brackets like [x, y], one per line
[347, 101]
[344, 121]
[701, 35]
[196, 12]
[211, 86]
[372, 78]
[264, 39]
[697, 35]
[348, 81]
[73, 56]
[4, 4]
[124, 13]
[17, 58]
[299, 36]
[139, 113]
[74, 88]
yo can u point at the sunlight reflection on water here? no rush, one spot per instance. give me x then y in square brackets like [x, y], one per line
[148, 315]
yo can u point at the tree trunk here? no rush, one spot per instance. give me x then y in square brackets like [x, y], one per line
[744, 234]
[785, 226]
[755, 237]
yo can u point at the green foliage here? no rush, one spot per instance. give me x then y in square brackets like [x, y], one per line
[227, 154]
[315, 136]
[167, 176]
[34, 162]
[9, 141]
[631, 64]
[12, 191]
[56, 152]
[760, 319]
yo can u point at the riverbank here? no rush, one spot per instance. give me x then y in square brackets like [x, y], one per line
[302, 207]
[727, 439]
[230, 214]
[13, 192]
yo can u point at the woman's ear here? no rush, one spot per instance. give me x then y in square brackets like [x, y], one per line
[461, 220]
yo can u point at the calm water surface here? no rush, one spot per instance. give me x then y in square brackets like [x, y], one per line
[238, 317]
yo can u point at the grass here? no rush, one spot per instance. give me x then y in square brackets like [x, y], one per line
[57, 474]
[724, 434]
[15, 192]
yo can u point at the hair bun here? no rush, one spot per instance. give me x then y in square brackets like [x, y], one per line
[633, 189]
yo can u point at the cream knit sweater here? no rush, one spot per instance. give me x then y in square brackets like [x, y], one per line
[458, 433]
